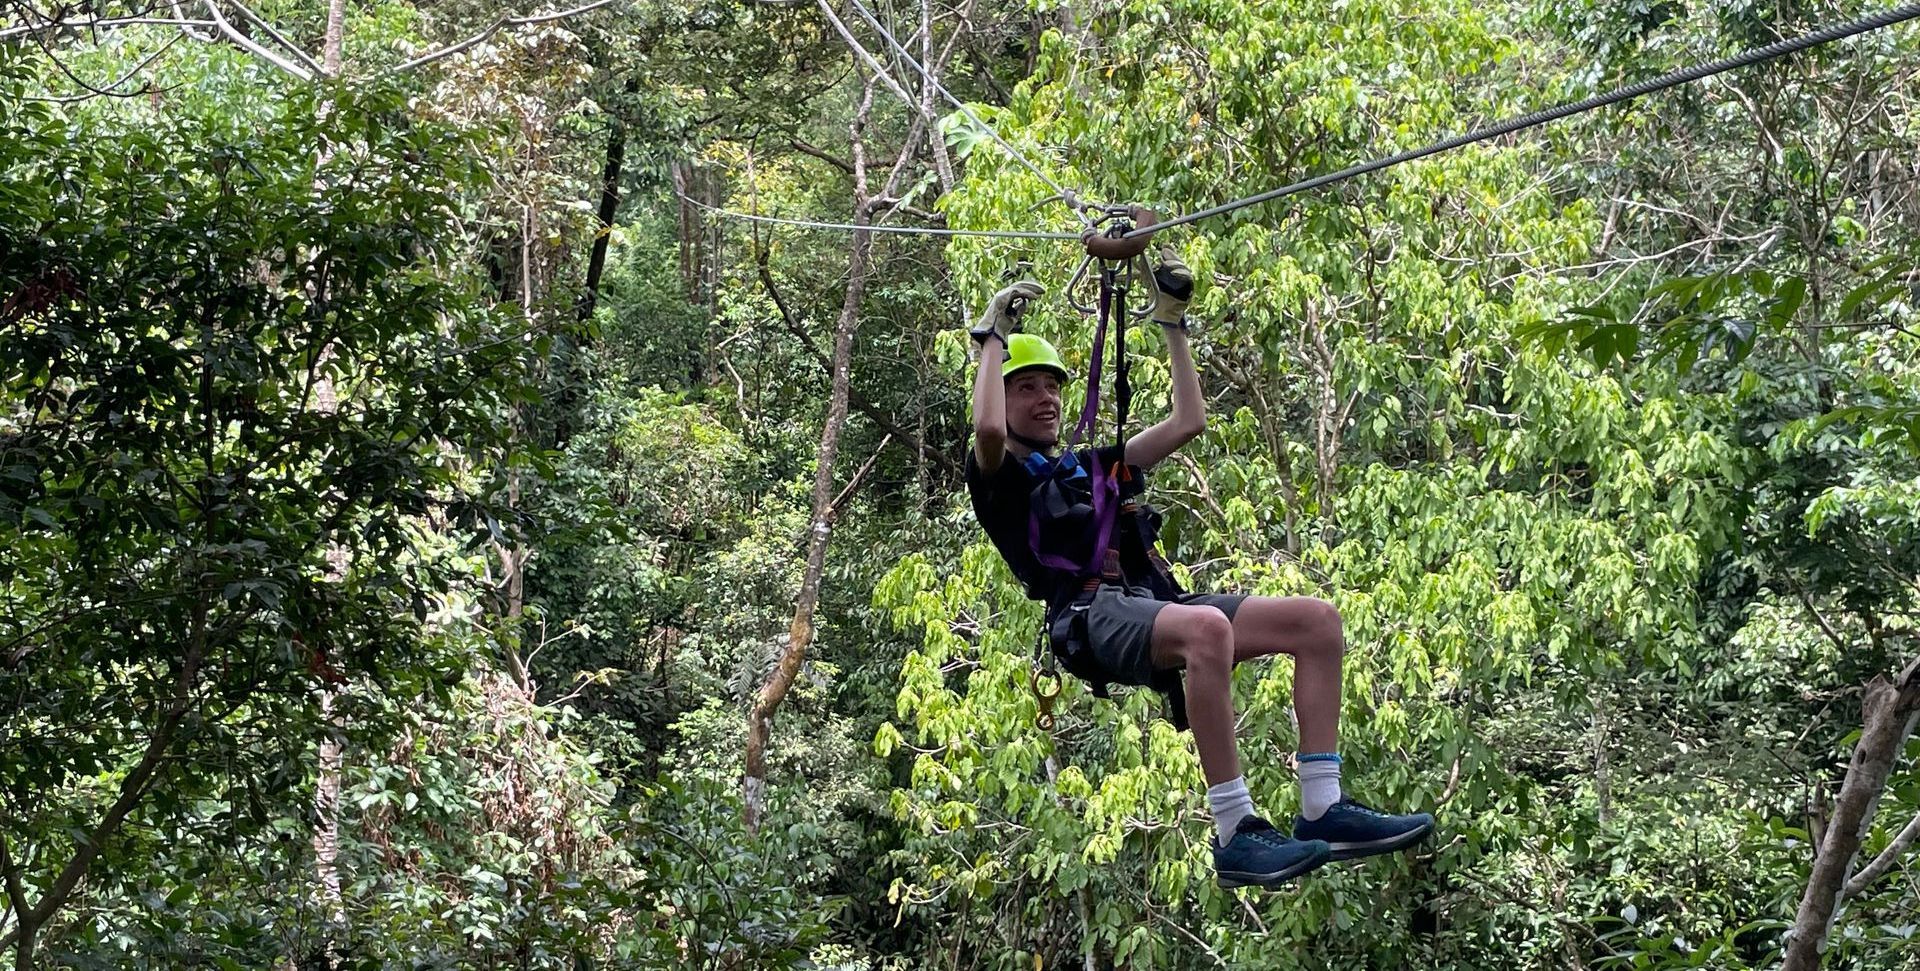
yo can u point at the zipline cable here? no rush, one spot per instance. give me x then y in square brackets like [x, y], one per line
[909, 230]
[886, 35]
[880, 72]
[1673, 79]
[1683, 76]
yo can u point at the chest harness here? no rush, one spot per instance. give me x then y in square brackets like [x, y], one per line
[1084, 523]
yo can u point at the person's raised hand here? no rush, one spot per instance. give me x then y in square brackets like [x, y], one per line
[1002, 317]
[1173, 287]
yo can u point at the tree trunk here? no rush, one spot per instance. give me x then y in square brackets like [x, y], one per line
[326, 826]
[513, 557]
[800, 632]
[682, 192]
[1889, 710]
[330, 760]
[1328, 417]
[335, 43]
[609, 209]
[1602, 771]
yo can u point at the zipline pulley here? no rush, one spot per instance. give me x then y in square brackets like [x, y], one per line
[1122, 259]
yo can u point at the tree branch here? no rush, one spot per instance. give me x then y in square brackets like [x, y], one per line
[260, 22]
[1818, 619]
[1889, 711]
[821, 154]
[1902, 842]
[865, 407]
[250, 46]
[96, 24]
[859, 474]
[878, 70]
[498, 25]
[107, 91]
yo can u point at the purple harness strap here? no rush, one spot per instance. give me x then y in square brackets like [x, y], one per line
[1105, 490]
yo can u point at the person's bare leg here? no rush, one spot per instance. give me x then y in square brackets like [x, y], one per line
[1309, 629]
[1200, 639]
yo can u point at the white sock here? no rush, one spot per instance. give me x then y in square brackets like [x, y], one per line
[1319, 784]
[1231, 802]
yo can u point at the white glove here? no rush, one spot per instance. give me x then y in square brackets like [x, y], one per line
[1002, 317]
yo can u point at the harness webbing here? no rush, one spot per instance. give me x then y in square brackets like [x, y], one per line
[1105, 482]
[1104, 507]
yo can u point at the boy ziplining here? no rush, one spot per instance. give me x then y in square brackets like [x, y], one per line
[1124, 620]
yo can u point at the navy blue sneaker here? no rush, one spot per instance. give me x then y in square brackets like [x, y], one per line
[1354, 830]
[1260, 856]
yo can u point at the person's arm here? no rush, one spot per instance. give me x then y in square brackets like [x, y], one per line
[999, 321]
[1174, 287]
[990, 407]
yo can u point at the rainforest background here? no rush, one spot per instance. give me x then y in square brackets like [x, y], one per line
[433, 537]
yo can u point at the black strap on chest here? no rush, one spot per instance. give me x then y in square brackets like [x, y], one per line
[1059, 515]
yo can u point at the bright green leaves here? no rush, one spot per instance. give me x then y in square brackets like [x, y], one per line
[1681, 321]
[241, 380]
[1497, 522]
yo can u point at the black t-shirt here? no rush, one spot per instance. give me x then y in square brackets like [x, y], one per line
[1002, 502]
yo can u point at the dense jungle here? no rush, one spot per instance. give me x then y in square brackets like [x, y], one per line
[455, 512]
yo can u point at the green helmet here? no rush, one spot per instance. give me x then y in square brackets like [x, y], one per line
[1026, 352]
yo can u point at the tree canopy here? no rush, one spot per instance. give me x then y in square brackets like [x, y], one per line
[442, 529]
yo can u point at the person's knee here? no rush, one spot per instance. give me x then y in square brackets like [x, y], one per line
[1329, 631]
[1205, 639]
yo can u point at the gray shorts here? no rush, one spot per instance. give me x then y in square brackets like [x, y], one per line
[1120, 629]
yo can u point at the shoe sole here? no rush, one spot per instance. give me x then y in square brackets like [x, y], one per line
[1233, 880]
[1354, 851]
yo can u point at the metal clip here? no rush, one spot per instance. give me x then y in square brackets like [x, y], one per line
[1117, 220]
[1045, 682]
[1136, 269]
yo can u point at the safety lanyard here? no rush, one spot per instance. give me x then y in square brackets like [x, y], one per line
[1115, 281]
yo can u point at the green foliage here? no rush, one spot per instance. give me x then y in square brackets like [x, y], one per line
[472, 834]
[229, 402]
[485, 835]
[1523, 544]
[1605, 441]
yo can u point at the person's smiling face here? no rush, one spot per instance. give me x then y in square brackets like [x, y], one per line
[1033, 406]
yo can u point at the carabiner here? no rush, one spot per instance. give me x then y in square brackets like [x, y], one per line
[1045, 682]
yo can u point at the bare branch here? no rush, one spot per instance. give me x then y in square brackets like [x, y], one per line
[822, 154]
[799, 330]
[1840, 642]
[1902, 842]
[260, 22]
[878, 69]
[107, 91]
[96, 24]
[493, 28]
[190, 31]
[250, 46]
[859, 475]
